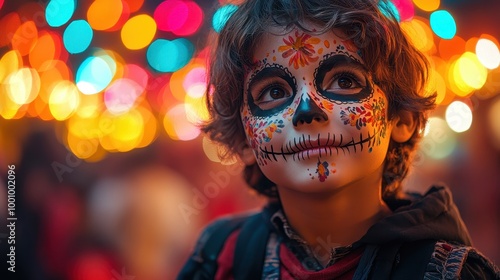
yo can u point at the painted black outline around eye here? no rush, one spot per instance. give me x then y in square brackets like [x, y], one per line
[331, 61]
[270, 70]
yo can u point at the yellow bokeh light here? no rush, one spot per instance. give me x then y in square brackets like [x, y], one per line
[471, 71]
[455, 82]
[104, 14]
[458, 116]
[90, 105]
[494, 122]
[488, 53]
[51, 76]
[11, 62]
[126, 133]
[82, 147]
[150, 127]
[197, 110]
[23, 85]
[436, 84]
[210, 149]
[427, 5]
[64, 100]
[138, 32]
[419, 33]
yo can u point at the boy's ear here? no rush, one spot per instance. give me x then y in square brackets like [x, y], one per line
[246, 155]
[403, 126]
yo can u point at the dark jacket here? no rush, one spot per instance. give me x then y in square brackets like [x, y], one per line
[423, 238]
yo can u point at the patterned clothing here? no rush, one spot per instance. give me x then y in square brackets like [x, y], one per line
[299, 247]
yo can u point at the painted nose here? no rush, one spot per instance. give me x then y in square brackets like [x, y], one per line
[307, 111]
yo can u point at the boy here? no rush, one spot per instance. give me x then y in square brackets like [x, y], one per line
[323, 100]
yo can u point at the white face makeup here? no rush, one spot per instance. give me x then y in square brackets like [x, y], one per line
[312, 114]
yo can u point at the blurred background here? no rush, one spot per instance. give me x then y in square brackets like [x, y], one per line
[99, 102]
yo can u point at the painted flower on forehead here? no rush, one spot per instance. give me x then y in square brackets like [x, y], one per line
[300, 49]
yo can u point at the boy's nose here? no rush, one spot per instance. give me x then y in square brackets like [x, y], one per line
[307, 111]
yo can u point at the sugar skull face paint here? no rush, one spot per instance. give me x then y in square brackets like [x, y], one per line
[311, 112]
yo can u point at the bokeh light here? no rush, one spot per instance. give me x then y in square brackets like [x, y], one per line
[169, 56]
[59, 12]
[44, 50]
[494, 122]
[177, 125]
[104, 14]
[182, 18]
[439, 141]
[449, 48]
[95, 74]
[221, 16]
[134, 5]
[488, 54]
[443, 24]
[138, 32]
[458, 116]
[23, 85]
[11, 61]
[427, 5]
[121, 95]
[77, 36]
[25, 37]
[8, 25]
[419, 33]
[405, 9]
[471, 71]
[64, 100]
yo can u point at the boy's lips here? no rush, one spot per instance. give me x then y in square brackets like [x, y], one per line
[304, 147]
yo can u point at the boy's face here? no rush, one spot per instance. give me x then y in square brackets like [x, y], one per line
[312, 115]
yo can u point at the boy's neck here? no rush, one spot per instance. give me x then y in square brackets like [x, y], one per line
[340, 218]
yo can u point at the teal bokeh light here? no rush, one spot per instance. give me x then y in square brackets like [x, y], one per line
[222, 15]
[169, 56]
[95, 73]
[443, 24]
[77, 36]
[59, 12]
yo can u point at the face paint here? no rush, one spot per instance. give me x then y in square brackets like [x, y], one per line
[312, 116]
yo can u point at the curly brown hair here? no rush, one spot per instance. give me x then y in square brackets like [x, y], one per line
[397, 67]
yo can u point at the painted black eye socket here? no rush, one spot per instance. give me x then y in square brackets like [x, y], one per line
[342, 78]
[270, 91]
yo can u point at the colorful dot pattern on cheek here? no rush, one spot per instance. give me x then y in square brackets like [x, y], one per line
[369, 113]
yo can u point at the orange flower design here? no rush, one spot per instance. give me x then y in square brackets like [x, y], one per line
[300, 49]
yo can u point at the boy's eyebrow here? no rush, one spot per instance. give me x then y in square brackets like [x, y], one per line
[266, 73]
[341, 60]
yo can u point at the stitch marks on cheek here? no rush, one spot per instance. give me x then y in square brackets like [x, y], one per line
[373, 113]
[260, 132]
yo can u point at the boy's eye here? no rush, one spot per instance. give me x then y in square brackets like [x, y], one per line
[344, 83]
[272, 96]
[270, 91]
[276, 93]
[340, 78]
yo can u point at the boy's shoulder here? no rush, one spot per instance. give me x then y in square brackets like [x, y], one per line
[202, 264]
[457, 261]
